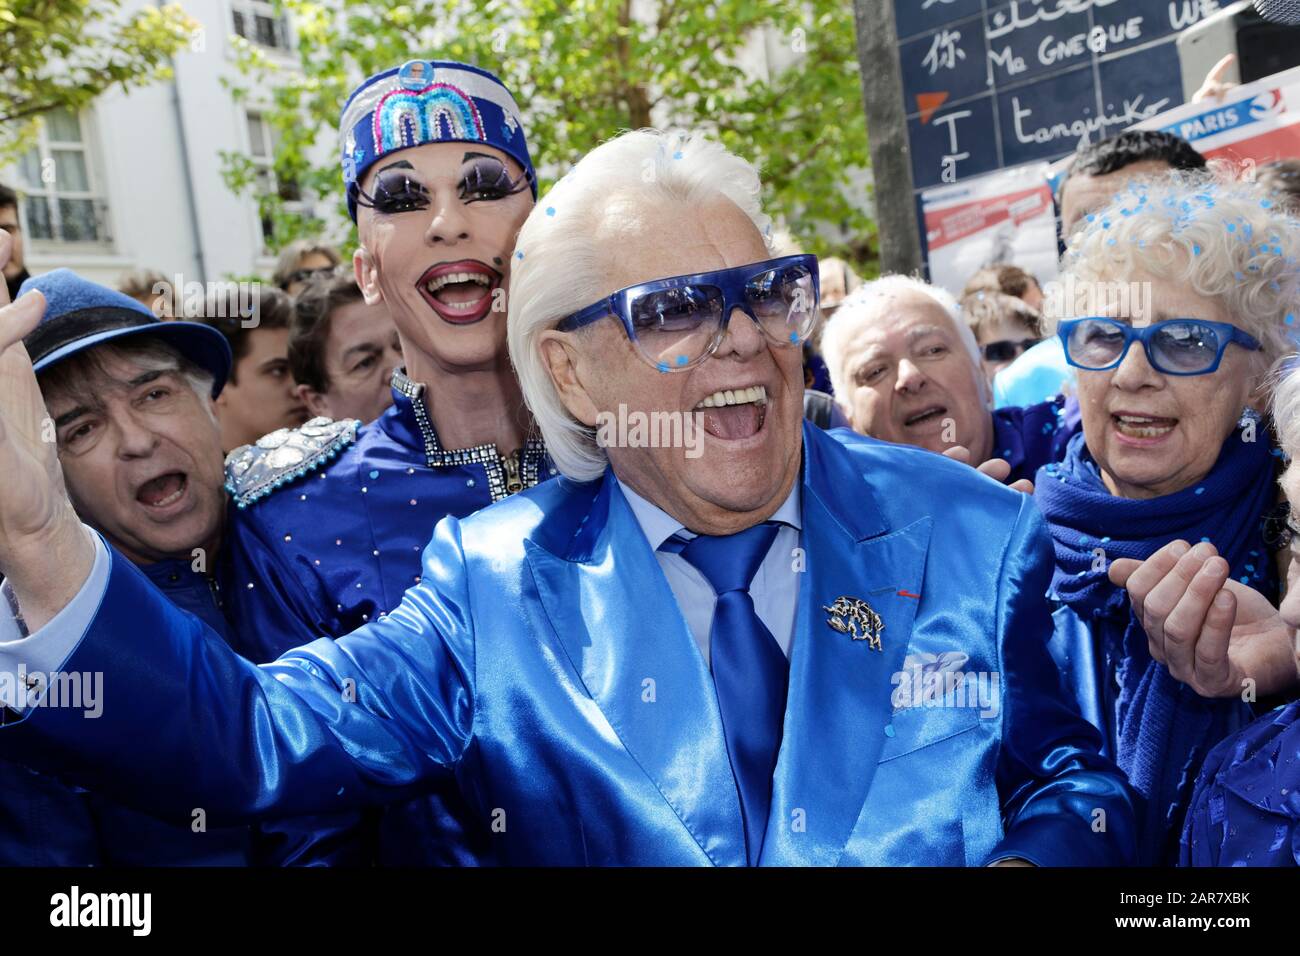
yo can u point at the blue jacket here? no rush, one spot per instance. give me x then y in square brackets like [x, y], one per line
[46, 823]
[543, 665]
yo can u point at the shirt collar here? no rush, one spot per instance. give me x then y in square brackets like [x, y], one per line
[658, 525]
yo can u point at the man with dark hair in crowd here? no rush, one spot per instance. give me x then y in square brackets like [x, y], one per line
[1100, 170]
[260, 396]
[15, 270]
[1006, 279]
[131, 404]
[342, 351]
[1097, 172]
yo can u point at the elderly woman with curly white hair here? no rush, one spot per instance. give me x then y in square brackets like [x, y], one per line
[1173, 306]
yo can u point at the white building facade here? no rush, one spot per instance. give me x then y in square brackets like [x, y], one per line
[135, 180]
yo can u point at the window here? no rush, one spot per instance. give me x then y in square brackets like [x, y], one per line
[261, 149]
[62, 201]
[257, 22]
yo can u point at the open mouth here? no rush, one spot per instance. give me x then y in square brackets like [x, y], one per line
[164, 491]
[733, 414]
[1143, 427]
[925, 416]
[460, 292]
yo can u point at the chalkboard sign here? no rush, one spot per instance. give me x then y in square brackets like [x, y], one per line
[991, 84]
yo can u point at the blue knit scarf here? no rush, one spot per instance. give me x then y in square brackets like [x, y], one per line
[1161, 729]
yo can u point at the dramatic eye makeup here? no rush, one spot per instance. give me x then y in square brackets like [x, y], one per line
[396, 190]
[486, 177]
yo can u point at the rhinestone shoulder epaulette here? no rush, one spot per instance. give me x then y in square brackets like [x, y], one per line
[284, 456]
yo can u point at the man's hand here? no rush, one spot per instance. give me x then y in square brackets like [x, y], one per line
[996, 468]
[1214, 634]
[45, 553]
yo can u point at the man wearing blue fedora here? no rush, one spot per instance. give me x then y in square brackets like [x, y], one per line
[129, 400]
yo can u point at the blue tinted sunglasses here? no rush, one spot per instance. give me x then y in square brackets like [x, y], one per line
[1173, 347]
[677, 323]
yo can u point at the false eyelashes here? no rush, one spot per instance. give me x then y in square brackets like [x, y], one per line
[396, 191]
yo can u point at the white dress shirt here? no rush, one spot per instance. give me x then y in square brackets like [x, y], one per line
[775, 588]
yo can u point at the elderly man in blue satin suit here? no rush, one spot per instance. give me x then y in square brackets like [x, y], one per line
[721, 638]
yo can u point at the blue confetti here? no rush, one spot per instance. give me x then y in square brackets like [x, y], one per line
[374, 474]
[550, 210]
[682, 360]
[1266, 203]
[1196, 250]
[1200, 491]
[519, 255]
[889, 730]
[662, 366]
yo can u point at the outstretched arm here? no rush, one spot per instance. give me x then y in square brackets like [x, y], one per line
[183, 723]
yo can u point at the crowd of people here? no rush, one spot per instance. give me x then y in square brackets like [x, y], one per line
[990, 579]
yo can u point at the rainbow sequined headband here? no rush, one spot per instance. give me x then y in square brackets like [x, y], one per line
[427, 101]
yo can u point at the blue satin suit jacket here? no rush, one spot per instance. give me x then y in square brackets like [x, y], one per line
[542, 663]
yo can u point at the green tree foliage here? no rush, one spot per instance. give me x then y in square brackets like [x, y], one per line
[64, 53]
[585, 69]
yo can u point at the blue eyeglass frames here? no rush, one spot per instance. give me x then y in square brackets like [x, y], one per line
[678, 322]
[1173, 347]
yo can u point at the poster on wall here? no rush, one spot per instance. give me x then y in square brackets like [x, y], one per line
[1004, 217]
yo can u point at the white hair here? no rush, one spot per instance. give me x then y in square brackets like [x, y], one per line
[559, 268]
[1286, 407]
[860, 308]
[1223, 238]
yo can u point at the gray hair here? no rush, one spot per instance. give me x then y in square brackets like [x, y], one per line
[1286, 408]
[859, 308]
[559, 269]
[80, 377]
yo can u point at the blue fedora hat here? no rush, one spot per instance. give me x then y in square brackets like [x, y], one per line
[80, 314]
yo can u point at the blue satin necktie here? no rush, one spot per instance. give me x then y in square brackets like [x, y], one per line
[750, 672]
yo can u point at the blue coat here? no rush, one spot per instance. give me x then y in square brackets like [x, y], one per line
[46, 823]
[542, 663]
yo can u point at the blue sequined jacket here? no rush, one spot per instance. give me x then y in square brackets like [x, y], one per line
[330, 522]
